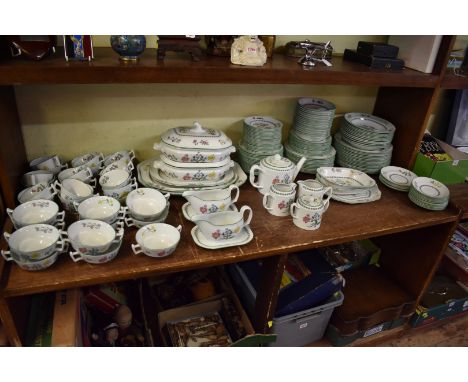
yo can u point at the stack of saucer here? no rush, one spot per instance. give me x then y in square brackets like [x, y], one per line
[310, 134]
[262, 138]
[364, 142]
[146, 206]
[397, 178]
[429, 194]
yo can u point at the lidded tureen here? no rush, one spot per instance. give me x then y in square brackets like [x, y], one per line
[188, 145]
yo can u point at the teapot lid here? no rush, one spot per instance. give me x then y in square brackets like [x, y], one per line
[277, 162]
[196, 137]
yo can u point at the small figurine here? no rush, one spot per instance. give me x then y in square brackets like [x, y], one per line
[78, 47]
[129, 333]
[107, 337]
[248, 50]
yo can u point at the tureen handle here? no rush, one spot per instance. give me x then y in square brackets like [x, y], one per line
[197, 127]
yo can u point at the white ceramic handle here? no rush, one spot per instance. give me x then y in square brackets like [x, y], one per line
[157, 164]
[328, 191]
[134, 184]
[136, 249]
[252, 175]
[6, 235]
[167, 196]
[89, 173]
[60, 246]
[129, 222]
[9, 211]
[101, 156]
[7, 255]
[265, 202]
[179, 228]
[57, 186]
[59, 225]
[131, 155]
[120, 233]
[292, 210]
[60, 217]
[93, 183]
[236, 197]
[64, 166]
[249, 218]
[326, 204]
[76, 256]
[157, 146]
[75, 205]
[130, 167]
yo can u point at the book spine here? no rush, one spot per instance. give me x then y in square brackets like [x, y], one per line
[66, 322]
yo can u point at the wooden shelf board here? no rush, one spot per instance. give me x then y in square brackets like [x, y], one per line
[106, 68]
[394, 212]
[459, 196]
[452, 81]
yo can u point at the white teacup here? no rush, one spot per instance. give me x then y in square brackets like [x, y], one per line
[133, 222]
[32, 178]
[36, 212]
[220, 226]
[120, 164]
[48, 163]
[157, 240]
[102, 208]
[311, 187]
[279, 198]
[102, 258]
[307, 212]
[38, 191]
[35, 242]
[73, 189]
[146, 204]
[121, 192]
[82, 173]
[210, 201]
[114, 179]
[92, 160]
[126, 156]
[93, 237]
[37, 265]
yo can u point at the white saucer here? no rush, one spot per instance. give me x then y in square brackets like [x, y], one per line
[188, 211]
[245, 236]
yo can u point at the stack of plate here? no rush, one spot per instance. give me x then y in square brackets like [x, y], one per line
[310, 134]
[364, 142]
[262, 138]
[429, 194]
[397, 178]
[349, 185]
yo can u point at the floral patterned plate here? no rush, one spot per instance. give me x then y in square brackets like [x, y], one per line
[188, 211]
[245, 236]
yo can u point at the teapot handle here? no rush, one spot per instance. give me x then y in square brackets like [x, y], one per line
[252, 175]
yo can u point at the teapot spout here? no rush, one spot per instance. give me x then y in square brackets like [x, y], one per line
[298, 167]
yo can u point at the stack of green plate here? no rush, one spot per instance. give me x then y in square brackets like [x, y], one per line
[262, 138]
[397, 178]
[312, 162]
[429, 194]
[310, 134]
[364, 142]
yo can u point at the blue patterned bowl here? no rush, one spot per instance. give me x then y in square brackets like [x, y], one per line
[128, 47]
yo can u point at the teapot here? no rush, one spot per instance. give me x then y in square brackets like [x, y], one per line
[272, 170]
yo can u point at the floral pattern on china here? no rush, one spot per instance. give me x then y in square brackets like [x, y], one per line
[196, 136]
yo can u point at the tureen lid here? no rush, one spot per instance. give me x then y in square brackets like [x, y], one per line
[277, 162]
[196, 137]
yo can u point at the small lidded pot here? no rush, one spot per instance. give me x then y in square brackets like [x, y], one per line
[279, 198]
[272, 170]
[307, 212]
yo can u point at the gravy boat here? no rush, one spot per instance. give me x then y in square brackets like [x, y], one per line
[211, 201]
[224, 225]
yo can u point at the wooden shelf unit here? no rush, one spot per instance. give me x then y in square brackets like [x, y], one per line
[405, 98]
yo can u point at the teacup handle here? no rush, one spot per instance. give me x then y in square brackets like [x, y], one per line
[120, 233]
[89, 173]
[179, 228]
[9, 211]
[131, 155]
[64, 166]
[252, 175]
[60, 217]
[75, 205]
[136, 249]
[328, 191]
[6, 235]
[6, 255]
[167, 196]
[122, 213]
[76, 256]
[249, 218]
[59, 225]
[134, 184]
[292, 210]
[60, 246]
[129, 222]
[237, 192]
[130, 167]
[265, 201]
[93, 182]
[56, 186]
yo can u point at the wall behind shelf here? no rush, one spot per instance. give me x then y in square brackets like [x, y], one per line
[72, 119]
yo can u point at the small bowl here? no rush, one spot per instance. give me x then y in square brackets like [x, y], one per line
[32, 178]
[36, 212]
[124, 155]
[38, 265]
[121, 193]
[118, 165]
[132, 222]
[146, 204]
[102, 258]
[157, 240]
[35, 242]
[82, 173]
[92, 160]
[102, 208]
[93, 237]
[73, 188]
[114, 179]
[39, 191]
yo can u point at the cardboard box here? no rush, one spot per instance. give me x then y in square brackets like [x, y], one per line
[449, 171]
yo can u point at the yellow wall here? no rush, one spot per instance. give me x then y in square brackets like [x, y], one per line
[73, 119]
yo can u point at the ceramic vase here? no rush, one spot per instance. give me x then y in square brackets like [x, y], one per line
[129, 47]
